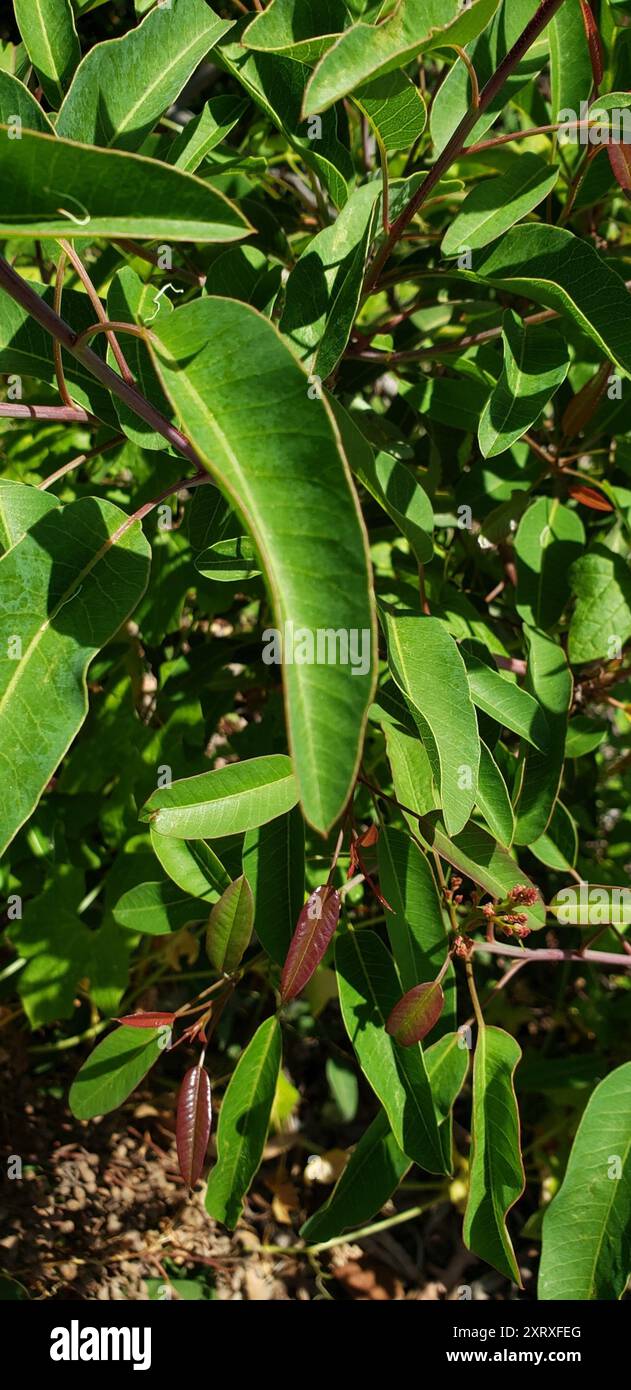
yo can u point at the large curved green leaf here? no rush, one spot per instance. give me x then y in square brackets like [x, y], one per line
[123, 86]
[56, 188]
[586, 1251]
[277, 85]
[65, 589]
[277, 455]
[497, 1177]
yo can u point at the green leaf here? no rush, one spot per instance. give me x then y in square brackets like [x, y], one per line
[506, 702]
[493, 799]
[550, 537]
[418, 648]
[555, 268]
[536, 362]
[476, 855]
[157, 909]
[342, 1082]
[229, 561]
[227, 801]
[497, 1177]
[51, 187]
[601, 621]
[298, 511]
[494, 205]
[296, 30]
[557, 848]
[539, 777]
[82, 582]
[192, 865]
[16, 100]
[395, 109]
[416, 926]
[583, 736]
[50, 38]
[230, 927]
[373, 1172]
[243, 1124]
[369, 988]
[123, 86]
[447, 1066]
[201, 135]
[20, 507]
[366, 51]
[411, 771]
[274, 865]
[571, 77]
[114, 1069]
[586, 1250]
[323, 290]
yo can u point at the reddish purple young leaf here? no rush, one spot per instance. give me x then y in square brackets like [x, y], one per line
[594, 44]
[620, 160]
[192, 1129]
[143, 1020]
[416, 1013]
[314, 929]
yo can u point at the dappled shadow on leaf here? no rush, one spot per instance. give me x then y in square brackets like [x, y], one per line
[82, 603]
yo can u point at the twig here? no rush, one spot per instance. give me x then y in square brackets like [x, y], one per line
[108, 326]
[25, 295]
[94, 298]
[479, 1016]
[475, 87]
[63, 414]
[57, 355]
[196, 481]
[143, 253]
[550, 953]
[81, 458]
